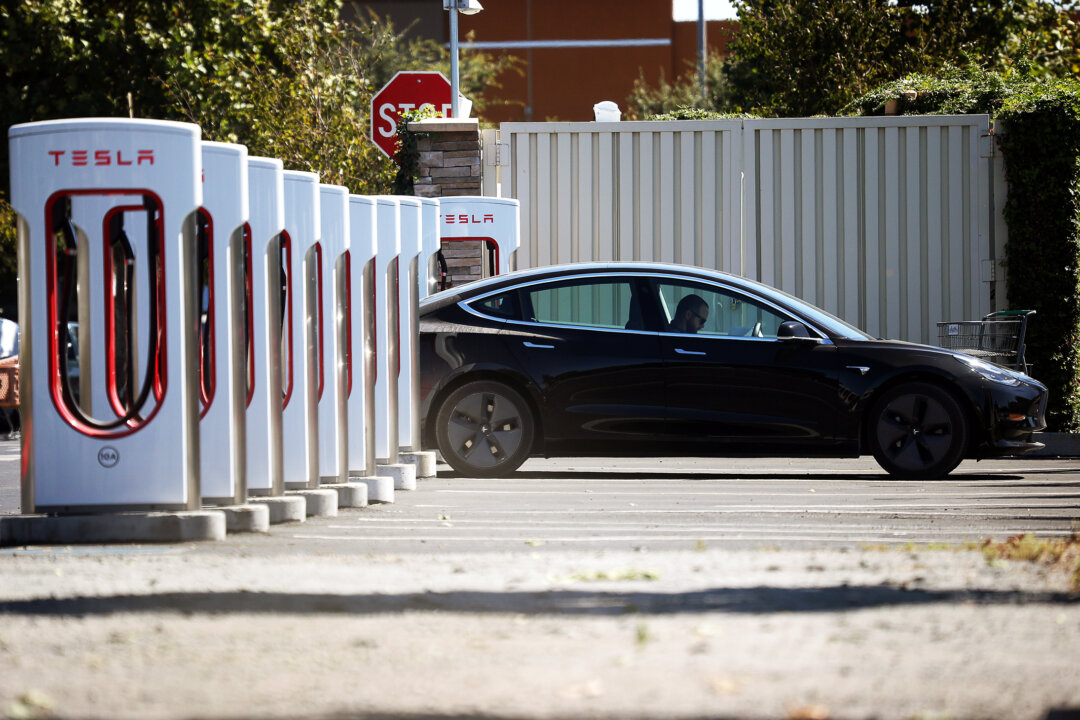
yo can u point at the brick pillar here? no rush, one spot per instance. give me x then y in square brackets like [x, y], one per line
[450, 165]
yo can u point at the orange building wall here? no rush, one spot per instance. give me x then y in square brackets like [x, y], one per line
[563, 83]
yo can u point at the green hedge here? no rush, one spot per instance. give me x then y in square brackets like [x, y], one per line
[1038, 126]
[1042, 166]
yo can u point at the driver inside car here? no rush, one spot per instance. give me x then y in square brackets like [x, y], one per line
[691, 314]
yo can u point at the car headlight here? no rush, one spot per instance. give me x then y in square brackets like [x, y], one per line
[993, 373]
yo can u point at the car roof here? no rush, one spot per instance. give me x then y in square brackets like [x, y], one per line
[495, 282]
[807, 312]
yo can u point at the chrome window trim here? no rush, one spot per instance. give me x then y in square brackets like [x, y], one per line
[465, 305]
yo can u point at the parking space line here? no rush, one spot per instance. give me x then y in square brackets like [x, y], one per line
[741, 534]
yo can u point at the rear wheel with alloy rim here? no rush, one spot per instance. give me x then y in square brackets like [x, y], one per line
[918, 431]
[485, 429]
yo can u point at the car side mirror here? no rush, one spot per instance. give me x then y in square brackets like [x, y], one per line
[794, 331]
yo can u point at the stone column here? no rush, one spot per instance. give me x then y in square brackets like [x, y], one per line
[450, 165]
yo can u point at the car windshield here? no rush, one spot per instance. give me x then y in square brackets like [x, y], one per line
[834, 325]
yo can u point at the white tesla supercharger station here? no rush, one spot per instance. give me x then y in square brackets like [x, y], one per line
[430, 272]
[142, 453]
[224, 241]
[386, 319]
[333, 326]
[300, 353]
[387, 333]
[266, 203]
[363, 234]
[418, 232]
[408, 381]
[425, 275]
[493, 221]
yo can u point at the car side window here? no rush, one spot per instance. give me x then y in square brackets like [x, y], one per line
[708, 310]
[504, 306]
[594, 302]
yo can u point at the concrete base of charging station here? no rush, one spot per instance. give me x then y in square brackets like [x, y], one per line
[350, 494]
[404, 475]
[283, 509]
[379, 489]
[422, 460]
[118, 527]
[254, 517]
[320, 503]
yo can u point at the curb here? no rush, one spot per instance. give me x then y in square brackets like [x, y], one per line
[122, 527]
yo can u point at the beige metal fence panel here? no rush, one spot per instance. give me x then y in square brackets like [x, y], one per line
[885, 222]
[893, 224]
[627, 191]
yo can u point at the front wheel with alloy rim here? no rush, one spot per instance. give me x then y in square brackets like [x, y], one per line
[484, 429]
[918, 431]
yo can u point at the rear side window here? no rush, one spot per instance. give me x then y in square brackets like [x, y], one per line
[594, 302]
[504, 306]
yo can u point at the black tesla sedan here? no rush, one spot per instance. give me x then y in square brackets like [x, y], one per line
[640, 359]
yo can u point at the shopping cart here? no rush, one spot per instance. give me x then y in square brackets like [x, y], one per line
[998, 338]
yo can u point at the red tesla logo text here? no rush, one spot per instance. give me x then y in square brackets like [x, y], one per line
[83, 158]
[468, 219]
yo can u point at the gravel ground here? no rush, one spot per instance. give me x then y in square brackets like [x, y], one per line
[177, 632]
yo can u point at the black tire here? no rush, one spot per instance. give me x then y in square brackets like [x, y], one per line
[485, 429]
[918, 431]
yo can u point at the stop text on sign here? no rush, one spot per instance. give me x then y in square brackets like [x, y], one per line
[389, 115]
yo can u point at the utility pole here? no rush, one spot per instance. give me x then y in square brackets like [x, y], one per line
[701, 49]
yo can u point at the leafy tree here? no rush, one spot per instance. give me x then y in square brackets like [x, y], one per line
[287, 79]
[309, 104]
[806, 57]
[85, 58]
[306, 102]
[802, 57]
[995, 34]
[79, 58]
[387, 51]
[683, 92]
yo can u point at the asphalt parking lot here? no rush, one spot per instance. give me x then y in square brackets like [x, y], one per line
[669, 504]
[663, 504]
[586, 588]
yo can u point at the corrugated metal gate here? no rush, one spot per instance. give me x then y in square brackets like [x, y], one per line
[886, 222]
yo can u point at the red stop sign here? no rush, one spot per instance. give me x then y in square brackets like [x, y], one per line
[406, 91]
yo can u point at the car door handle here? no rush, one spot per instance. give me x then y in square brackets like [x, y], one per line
[680, 351]
[538, 346]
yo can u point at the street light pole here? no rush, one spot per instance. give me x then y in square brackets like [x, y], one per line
[701, 48]
[468, 7]
[454, 80]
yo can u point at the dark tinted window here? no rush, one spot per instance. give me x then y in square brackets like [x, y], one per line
[593, 302]
[504, 306]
